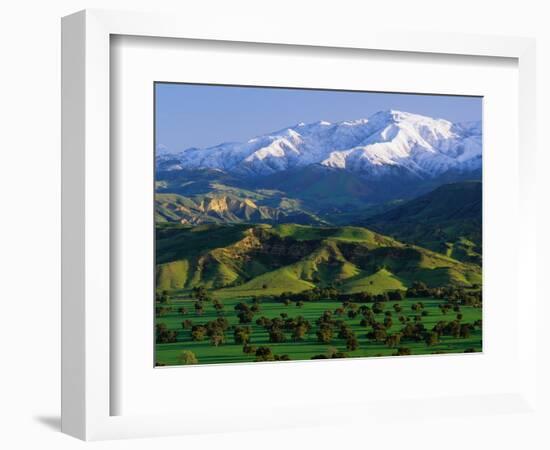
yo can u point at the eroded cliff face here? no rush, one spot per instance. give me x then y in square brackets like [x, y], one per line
[260, 242]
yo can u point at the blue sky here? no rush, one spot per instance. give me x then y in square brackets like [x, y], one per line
[189, 115]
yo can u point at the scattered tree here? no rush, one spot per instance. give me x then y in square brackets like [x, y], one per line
[276, 335]
[393, 340]
[218, 306]
[248, 349]
[163, 335]
[217, 338]
[199, 308]
[264, 354]
[241, 335]
[198, 333]
[352, 343]
[324, 334]
[187, 357]
[186, 324]
[432, 338]
[402, 351]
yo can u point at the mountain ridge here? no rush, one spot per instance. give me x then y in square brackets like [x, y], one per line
[447, 220]
[387, 143]
[251, 259]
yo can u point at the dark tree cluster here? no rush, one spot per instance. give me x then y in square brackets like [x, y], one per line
[249, 349]
[414, 331]
[418, 289]
[331, 293]
[201, 294]
[218, 306]
[199, 308]
[298, 327]
[198, 332]
[264, 353]
[326, 293]
[393, 340]
[454, 329]
[163, 335]
[402, 351]
[379, 332]
[453, 294]
[332, 353]
[187, 324]
[214, 330]
[367, 297]
[244, 313]
[369, 317]
[162, 297]
[324, 333]
[162, 310]
[328, 327]
[241, 335]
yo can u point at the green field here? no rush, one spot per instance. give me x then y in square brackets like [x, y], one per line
[206, 353]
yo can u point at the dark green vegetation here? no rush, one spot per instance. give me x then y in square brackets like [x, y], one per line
[312, 195]
[447, 220]
[320, 264]
[322, 325]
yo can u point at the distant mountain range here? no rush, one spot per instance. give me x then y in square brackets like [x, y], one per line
[387, 144]
[414, 180]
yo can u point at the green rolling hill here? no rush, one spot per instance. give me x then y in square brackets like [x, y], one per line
[239, 260]
[447, 220]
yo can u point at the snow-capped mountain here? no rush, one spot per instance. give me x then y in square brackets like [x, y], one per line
[388, 142]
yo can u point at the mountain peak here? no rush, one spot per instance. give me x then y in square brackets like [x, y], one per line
[393, 114]
[308, 126]
[396, 116]
[388, 142]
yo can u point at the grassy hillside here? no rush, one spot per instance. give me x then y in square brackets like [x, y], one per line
[447, 220]
[376, 283]
[263, 259]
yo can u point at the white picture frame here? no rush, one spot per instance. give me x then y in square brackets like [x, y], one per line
[87, 386]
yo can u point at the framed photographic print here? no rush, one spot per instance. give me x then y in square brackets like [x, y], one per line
[258, 217]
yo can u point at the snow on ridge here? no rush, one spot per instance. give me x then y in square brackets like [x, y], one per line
[422, 146]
